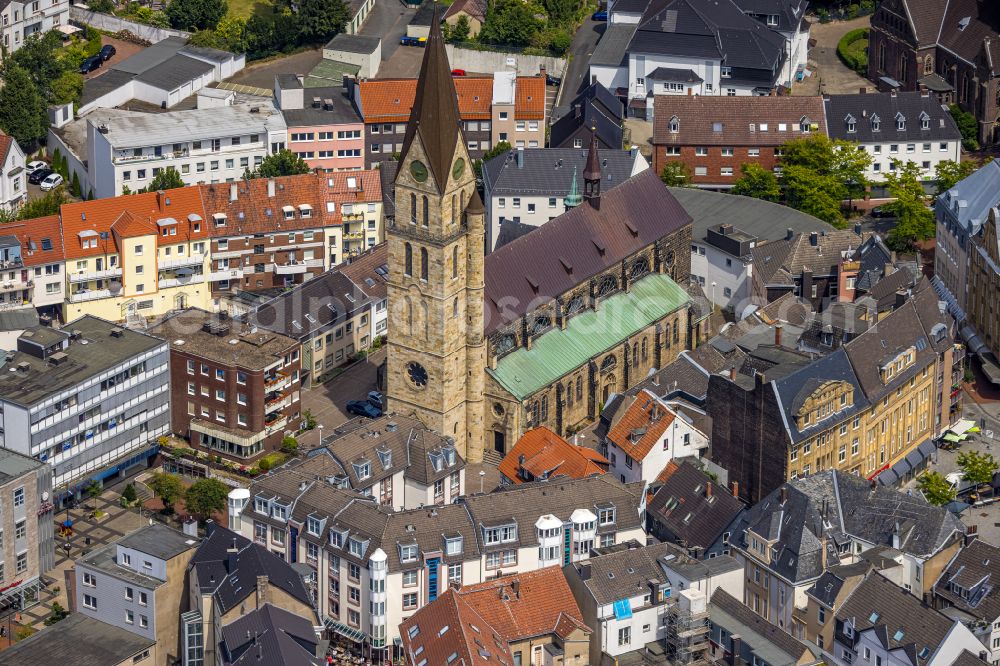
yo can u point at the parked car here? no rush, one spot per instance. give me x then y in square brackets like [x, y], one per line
[52, 181]
[458, 72]
[600, 15]
[552, 80]
[38, 175]
[412, 41]
[32, 167]
[363, 408]
[90, 64]
[107, 52]
[881, 211]
[377, 399]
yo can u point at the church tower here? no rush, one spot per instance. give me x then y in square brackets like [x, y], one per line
[437, 349]
[592, 176]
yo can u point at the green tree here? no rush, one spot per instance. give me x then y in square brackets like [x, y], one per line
[914, 220]
[22, 109]
[196, 14]
[948, 173]
[102, 6]
[67, 88]
[167, 179]
[94, 490]
[319, 20]
[757, 182]
[205, 497]
[936, 489]
[509, 22]
[289, 445]
[676, 174]
[977, 468]
[967, 125]
[129, 496]
[561, 11]
[37, 56]
[818, 174]
[461, 30]
[58, 614]
[48, 204]
[74, 186]
[232, 31]
[168, 488]
[282, 163]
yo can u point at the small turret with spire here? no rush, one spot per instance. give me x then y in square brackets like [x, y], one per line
[592, 176]
[573, 199]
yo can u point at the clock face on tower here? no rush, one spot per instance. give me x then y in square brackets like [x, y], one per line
[418, 170]
[417, 374]
[458, 169]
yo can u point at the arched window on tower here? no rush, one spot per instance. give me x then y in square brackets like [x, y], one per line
[423, 264]
[413, 208]
[454, 208]
[545, 408]
[454, 262]
[408, 260]
[409, 316]
[426, 319]
[427, 208]
[635, 354]
[454, 309]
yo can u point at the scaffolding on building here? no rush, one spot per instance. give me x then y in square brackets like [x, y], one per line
[687, 631]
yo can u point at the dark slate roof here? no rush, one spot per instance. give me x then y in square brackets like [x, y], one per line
[789, 12]
[980, 33]
[735, 617]
[101, 85]
[631, 6]
[429, 528]
[624, 572]
[612, 48]
[642, 203]
[353, 43]
[311, 307]
[549, 171]
[232, 582]
[159, 541]
[388, 170]
[270, 635]
[829, 585]
[968, 659]
[864, 107]
[674, 74]
[682, 376]
[891, 611]
[591, 116]
[762, 219]
[79, 640]
[837, 324]
[925, 18]
[976, 568]
[342, 112]
[207, 53]
[511, 230]
[793, 390]
[151, 56]
[682, 505]
[175, 72]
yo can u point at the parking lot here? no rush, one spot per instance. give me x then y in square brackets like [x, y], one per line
[326, 401]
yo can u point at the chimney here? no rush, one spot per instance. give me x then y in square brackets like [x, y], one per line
[515, 586]
[577, 110]
[270, 188]
[231, 554]
[736, 647]
[789, 234]
[863, 90]
[234, 192]
[520, 157]
[971, 532]
[857, 229]
[736, 488]
[732, 374]
[892, 92]
[888, 269]
[783, 494]
[160, 198]
[708, 490]
[262, 586]
[777, 334]
[822, 555]
[901, 297]
[813, 238]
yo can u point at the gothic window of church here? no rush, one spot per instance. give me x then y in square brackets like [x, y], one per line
[454, 262]
[462, 194]
[409, 316]
[426, 319]
[413, 208]
[639, 268]
[454, 207]
[545, 408]
[540, 324]
[676, 338]
[635, 354]
[575, 305]
[408, 260]
[505, 344]
[569, 393]
[645, 351]
[454, 308]
[427, 209]
[423, 264]
[881, 57]
[670, 258]
[579, 388]
[534, 412]
[609, 364]
[928, 65]
[607, 285]
[902, 68]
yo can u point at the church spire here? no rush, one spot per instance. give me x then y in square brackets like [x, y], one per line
[592, 175]
[573, 199]
[434, 117]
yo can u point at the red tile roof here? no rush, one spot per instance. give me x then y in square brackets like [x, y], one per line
[5, 144]
[524, 605]
[546, 452]
[451, 626]
[727, 121]
[32, 234]
[390, 100]
[641, 426]
[529, 98]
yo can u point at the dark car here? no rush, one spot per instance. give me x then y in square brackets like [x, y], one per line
[107, 52]
[363, 408]
[376, 399]
[38, 175]
[601, 15]
[881, 211]
[412, 41]
[90, 64]
[552, 80]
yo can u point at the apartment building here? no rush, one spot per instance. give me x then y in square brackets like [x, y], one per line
[715, 136]
[21, 20]
[501, 108]
[27, 520]
[90, 400]
[207, 145]
[872, 406]
[234, 391]
[324, 129]
[13, 179]
[983, 284]
[792, 536]
[136, 256]
[966, 590]
[542, 455]
[138, 584]
[895, 127]
[31, 271]
[740, 636]
[371, 269]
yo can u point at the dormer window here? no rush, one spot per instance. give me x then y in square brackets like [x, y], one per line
[313, 525]
[337, 538]
[279, 512]
[726, 72]
[362, 470]
[852, 123]
[260, 505]
[453, 546]
[925, 120]
[358, 547]
[408, 553]
[876, 124]
[385, 457]
[805, 125]
[305, 210]
[220, 219]
[288, 211]
[606, 516]
[900, 122]
[675, 125]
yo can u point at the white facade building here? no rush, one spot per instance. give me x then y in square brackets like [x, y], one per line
[21, 20]
[722, 265]
[13, 179]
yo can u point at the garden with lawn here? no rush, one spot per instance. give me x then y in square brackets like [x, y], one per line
[853, 50]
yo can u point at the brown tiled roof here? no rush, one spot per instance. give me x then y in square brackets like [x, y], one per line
[475, 97]
[390, 100]
[526, 605]
[545, 451]
[981, 32]
[641, 426]
[529, 98]
[253, 211]
[698, 116]
[5, 143]
[32, 233]
[925, 18]
[450, 631]
[632, 216]
[685, 508]
[474, 8]
[362, 271]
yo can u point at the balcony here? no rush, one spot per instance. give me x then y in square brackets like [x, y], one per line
[314, 263]
[168, 282]
[15, 285]
[151, 157]
[352, 217]
[227, 274]
[89, 295]
[87, 276]
[277, 404]
[276, 382]
[13, 263]
[291, 268]
[275, 425]
[354, 235]
[17, 304]
[193, 260]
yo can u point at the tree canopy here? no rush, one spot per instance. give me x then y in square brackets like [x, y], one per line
[676, 174]
[757, 182]
[205, 497]
[320, 20]
[914, 220]
[168, 488]
[967, 125]
[281, 163]
[22, 109]
[818, 173]
[948, 173]
[510, 22]
[936, 489]
[166, 179]
[977, 468]
[196, 14]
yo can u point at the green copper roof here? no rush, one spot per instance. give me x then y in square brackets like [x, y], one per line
[573, 199]
[523, 372]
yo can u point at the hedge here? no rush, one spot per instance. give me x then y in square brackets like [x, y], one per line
[853, 54]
